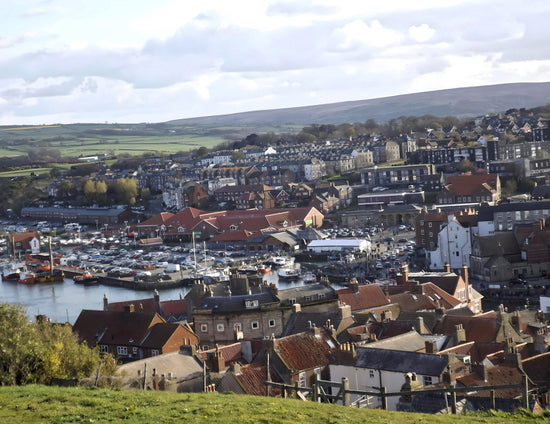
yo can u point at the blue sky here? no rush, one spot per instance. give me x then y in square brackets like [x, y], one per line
[66, 61]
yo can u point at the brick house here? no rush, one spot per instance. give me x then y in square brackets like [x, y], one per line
[131, 335]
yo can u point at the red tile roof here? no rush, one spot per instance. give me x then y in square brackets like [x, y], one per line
[462, 185]
[252, 377]
[366, 296]
[304, 351]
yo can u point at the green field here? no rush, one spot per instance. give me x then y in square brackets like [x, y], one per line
[39, 404]
[115, 139]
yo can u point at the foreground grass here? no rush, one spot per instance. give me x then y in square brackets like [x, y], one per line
[39, 404]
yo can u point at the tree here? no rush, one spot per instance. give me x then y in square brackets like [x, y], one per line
[20, 348]
[89, 191]
[39, 352]
[236, 156]
[65, 189]
[466, 165]
[126, 190]
[101, 192]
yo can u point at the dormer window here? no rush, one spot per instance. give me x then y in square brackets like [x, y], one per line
[252, 304]
[233, 227]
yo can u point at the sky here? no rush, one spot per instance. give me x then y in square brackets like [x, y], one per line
[130, 61]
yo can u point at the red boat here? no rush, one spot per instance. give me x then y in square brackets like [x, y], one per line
[266, 269]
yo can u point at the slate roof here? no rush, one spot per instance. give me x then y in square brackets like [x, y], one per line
[400, 361]
[113, 327]
[224, 304]
[300, 322]
[410, 342]
[312, 290]
[159, 334]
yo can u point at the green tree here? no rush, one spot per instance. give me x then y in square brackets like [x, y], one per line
[236, 156]
[38, 352]
[466, 166]
[20, 348]
[65, 189]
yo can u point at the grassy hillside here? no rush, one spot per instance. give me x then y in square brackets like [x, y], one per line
[459, 102]
[33, 404]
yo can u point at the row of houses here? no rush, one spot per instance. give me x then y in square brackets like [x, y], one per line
[428, 328]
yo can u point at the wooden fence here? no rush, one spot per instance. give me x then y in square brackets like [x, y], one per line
[321, 391]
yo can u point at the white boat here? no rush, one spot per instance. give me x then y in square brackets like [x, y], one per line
[308, 277]
[288, 273]
[281, 261]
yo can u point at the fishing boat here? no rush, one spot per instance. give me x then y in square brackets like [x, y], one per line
[27, 277]
[86, 279]
[264, 269]
[288, 273]
[46, 272]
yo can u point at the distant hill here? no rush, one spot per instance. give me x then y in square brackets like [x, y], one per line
[459, 102]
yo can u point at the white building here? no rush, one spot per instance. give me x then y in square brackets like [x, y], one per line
[375, 368]
[339, 245]
[454, 245]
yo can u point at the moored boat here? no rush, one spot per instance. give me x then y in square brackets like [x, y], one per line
[27, 277]
[288, 273]
[87, 279]
[264, 269]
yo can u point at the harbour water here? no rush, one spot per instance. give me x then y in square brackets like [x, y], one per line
[62, 302]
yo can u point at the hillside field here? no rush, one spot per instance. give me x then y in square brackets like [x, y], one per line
[34, 404]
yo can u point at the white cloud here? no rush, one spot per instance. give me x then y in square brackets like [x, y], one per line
[153, 61]
[421, 33]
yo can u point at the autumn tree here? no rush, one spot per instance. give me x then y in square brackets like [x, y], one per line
[89, 191]
[126, 190]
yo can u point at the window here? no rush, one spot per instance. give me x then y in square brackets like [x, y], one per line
[292, 301]
[103, 348]
[427, 380]
[237, 326]
[371, 373]
[255, 325]
[204, 328]
[155, 352]
[302, 379]
[220, 328]
[272, 323]
[134, 349]
[122, 350]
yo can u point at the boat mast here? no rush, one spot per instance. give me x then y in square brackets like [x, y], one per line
[51, 256]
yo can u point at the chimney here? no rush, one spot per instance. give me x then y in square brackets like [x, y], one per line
[464, 274]
[296, 308]
[353, 285]
[129, 308]
[419, 325]
[105, 302]
[481, 370]
[345, 311]
[156, 296]
[417, 288]
[460, 334]
[403, 276]
[447, 267]
[430, 346]
[219, 361]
